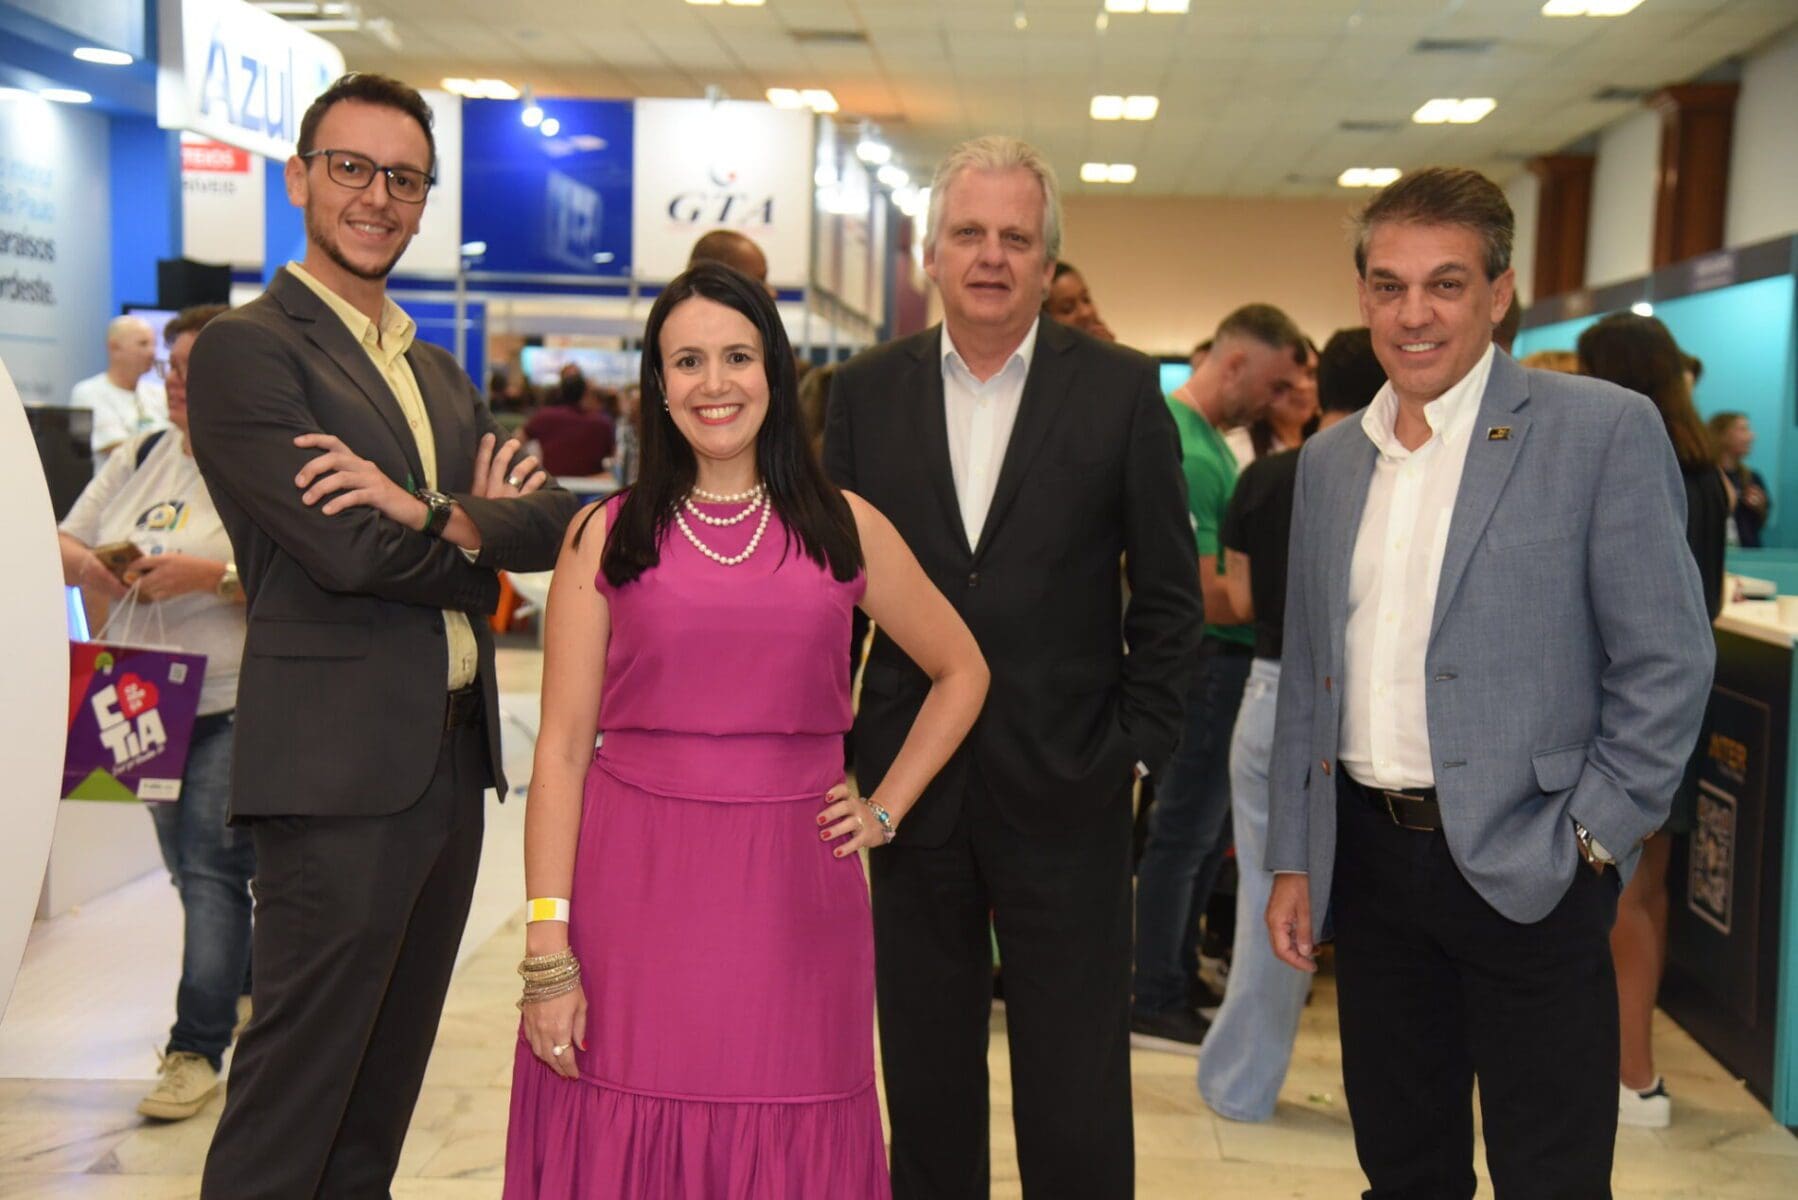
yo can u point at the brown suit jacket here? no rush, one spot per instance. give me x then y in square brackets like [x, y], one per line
[343, 687]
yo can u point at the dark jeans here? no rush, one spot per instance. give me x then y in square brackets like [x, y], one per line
[1186, 833]
[1436, 988]
[210, 864]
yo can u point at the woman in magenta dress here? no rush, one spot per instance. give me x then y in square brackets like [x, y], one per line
[719, 1045]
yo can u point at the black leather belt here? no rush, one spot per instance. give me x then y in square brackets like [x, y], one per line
[1408, 808]
[464, 707]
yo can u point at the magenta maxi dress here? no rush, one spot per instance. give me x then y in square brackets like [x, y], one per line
[727, 955]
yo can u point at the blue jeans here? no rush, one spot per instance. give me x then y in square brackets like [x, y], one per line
[1245, 1056]
[1186, 831]
[210, 864]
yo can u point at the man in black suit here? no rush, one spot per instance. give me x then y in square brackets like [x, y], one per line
[1019, 459]
[354, 470]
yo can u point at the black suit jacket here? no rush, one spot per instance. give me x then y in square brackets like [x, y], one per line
[340, 704]
[1092, 472]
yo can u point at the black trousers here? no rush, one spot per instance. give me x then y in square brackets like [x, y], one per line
[1436, 988]
[1061, 910]
[357, 924]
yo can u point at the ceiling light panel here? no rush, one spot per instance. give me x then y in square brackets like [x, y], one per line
[1098, 172]
[1124, 108]
[1367, 177]
[106, 58]
[1589, 8]
[1450, 111]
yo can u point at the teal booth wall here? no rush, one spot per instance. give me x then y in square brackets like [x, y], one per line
[1745, 336]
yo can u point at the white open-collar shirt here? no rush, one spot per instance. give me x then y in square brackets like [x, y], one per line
[980, 418]
[1385, 738]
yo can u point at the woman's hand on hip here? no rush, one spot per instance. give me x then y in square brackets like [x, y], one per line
[848, 822]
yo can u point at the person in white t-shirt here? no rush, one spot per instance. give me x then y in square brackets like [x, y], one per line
[126, 400]
[150, 494]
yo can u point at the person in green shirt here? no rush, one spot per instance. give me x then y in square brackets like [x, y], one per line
[1257, 356]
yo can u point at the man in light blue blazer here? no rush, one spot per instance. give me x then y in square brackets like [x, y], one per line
[1496, 661]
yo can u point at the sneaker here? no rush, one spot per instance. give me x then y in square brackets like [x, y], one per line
[1178, 1031]
[1652, 1109]
[1202, 999]
[188, 1082]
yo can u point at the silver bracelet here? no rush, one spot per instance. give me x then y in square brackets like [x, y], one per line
[885, 818]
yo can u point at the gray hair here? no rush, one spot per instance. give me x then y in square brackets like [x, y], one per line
[998, 152]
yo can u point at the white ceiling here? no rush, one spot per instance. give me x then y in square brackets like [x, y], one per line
[1252, 91]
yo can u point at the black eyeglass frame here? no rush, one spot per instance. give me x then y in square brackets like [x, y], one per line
[376, 169]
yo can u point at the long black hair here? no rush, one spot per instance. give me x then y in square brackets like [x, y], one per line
[809, 505]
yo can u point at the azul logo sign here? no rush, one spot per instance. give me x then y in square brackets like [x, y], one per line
[239, 75]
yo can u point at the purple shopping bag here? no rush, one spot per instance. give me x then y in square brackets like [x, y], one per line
[131, 717]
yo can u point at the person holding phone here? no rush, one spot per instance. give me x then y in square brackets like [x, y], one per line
[161, 544]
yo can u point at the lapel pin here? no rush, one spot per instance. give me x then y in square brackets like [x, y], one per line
[1499, 433]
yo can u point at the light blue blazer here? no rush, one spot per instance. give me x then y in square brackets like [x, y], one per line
[1570, 654]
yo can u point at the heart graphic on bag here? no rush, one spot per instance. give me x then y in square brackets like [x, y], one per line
[136, 695]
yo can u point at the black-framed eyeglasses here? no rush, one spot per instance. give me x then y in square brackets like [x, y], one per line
[352, 170]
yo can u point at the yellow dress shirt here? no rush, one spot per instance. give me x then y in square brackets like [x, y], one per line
[386, 345]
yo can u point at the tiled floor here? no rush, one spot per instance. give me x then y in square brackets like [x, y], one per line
[78, 1138]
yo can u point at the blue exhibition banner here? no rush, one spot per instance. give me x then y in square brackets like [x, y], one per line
[557, 204]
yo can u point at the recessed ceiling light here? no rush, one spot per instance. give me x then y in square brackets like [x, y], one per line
[1449, 111]
[550, 127]
[874, 153]
[480, 89]
[892, 176]
[106, 58]
[1124, 108]
[745, 3]
[1588, 8]
[532, 115]
[817, 99]
[1368, 176]
[13, 93]
[66, 95]
[1098, 172]
[1642, 308]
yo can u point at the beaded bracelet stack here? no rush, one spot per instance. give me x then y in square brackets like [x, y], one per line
[548, 976]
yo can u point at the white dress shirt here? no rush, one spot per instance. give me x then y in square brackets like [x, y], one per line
[980, 417]
[1392, 585]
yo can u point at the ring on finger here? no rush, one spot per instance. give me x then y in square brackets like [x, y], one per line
[511, 481]
[558, 1051]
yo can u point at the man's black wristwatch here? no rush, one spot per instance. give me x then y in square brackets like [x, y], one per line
[437, 511]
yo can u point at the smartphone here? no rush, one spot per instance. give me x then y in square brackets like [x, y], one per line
[116, 556]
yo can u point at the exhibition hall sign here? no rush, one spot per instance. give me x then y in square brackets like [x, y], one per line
[551, 198]
[234, 73]
[727, 164]
[55, 272]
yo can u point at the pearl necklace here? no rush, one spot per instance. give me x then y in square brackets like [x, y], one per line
[733, 498]
[730, 560]
[709, 519]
